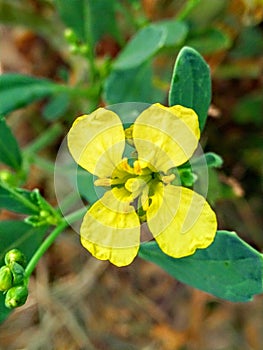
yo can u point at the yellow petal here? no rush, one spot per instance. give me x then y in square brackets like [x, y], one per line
[111, 230]
[166, 136]
[97, 141]
[180, 220]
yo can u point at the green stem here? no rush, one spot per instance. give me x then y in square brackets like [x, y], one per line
[189, 6]
[90, 43]
[65, 222]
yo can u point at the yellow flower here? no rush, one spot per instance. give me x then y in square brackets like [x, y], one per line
[140, 189]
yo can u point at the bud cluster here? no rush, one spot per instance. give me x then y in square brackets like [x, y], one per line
[12, 279]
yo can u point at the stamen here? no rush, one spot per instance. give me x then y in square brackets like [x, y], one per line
[141, 167]
[167, 179]
[129, 132]
[128, 135]
[145, 199]
[106, 182]
[124, 165]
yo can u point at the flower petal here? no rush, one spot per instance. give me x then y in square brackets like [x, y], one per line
[111, 229]
[166, 136]
[180, 220]
[97, 141]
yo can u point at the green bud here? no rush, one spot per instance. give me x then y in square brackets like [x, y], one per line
[83, 50]
[18, 273]
[70, 36]
[6, 278]
[17, 256]
[16, 296]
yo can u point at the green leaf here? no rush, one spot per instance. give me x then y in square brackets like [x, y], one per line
[141, 48]
[229, 268]
[4, 311]
[176, 31]
[210, 160]
[17, 200]
[211, 41]
[131, 85]
[56, 107]
[84, 17]
[9, 149]
[107, 26]
[191, 83]
[17, 90]
[72, 14]
[17, 234]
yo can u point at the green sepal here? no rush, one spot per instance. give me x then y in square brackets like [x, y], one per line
[209, 159]
[187, 177]
[28, 202]
[16, 296]
[191, 83]
[18, 200]
[229, 268]
[46, 215]
[6, 278]
[18, 273]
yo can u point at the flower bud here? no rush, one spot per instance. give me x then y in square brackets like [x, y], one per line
[16, 296]
[6, 278]
[17, 256]
[17, 272]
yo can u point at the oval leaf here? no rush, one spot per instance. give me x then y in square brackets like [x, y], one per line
[191, 83]
[210, 42]
[141, 48]
[229, 268]
[9, 149]
[176, 31]
[132, 85]
[17, 90]
[17, 200]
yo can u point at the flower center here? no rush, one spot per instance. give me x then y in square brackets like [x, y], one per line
[137, 183]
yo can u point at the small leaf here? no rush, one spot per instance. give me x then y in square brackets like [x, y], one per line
[132, 85]
[176, 31]
[17, 200]
[210, 160]
[107, 26]
[73, 15]
[84, 18]
[141, 48]
[17, 234]
[191, 83]
[229, 268]
[9, 149]
[17, 90]
[210, 42]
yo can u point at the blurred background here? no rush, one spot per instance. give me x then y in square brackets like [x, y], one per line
[77, 302]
